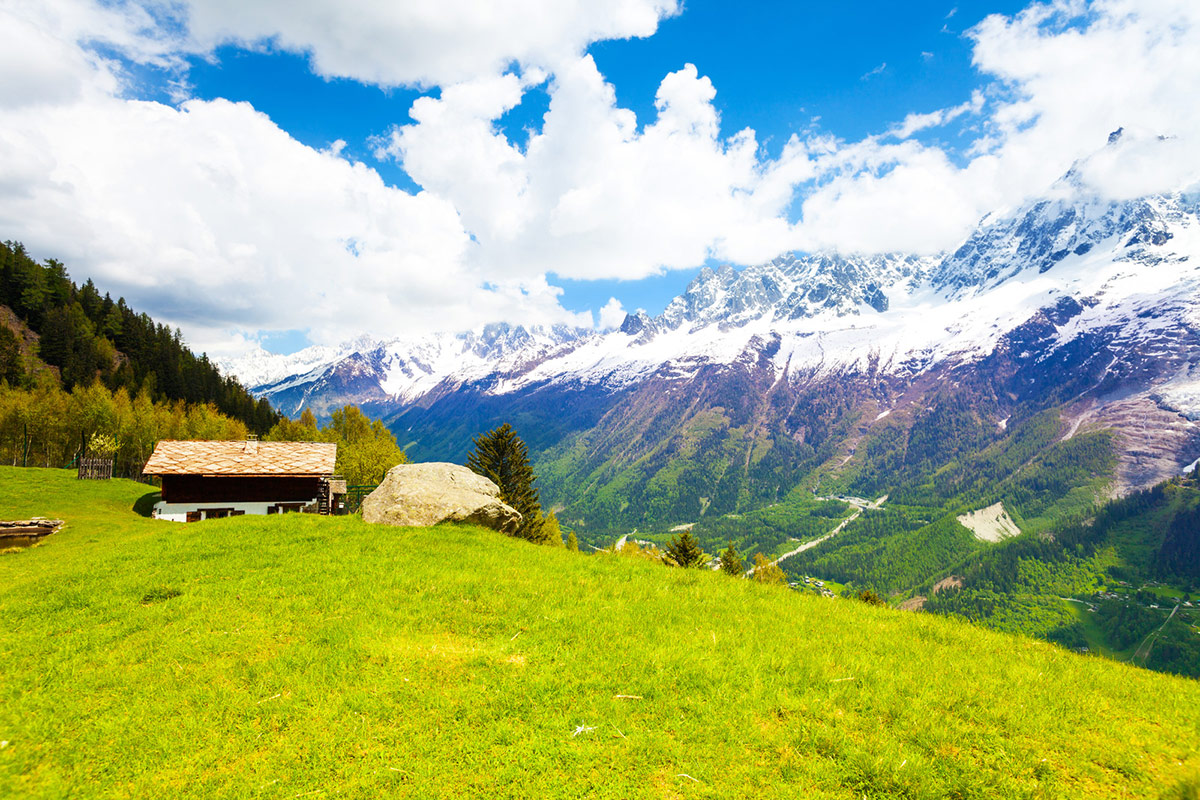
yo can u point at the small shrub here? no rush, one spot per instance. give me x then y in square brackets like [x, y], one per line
[869, 597]
[632, 549]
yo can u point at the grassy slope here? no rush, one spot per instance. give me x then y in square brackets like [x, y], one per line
[314, 657]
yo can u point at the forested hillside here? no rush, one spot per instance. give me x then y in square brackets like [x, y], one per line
[890, 515]
[1120, 581]
[46, 318]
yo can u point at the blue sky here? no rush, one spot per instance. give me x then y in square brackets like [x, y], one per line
[271, 175]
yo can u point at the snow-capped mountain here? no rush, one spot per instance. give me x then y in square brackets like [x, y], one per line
[1085, 299]
[378, 372]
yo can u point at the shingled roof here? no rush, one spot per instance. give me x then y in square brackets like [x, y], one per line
[242, 458]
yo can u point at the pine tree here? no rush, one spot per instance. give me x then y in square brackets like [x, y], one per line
[731, 561]
[572, 542]
[684, 551]
[502, 457]
[12, 366]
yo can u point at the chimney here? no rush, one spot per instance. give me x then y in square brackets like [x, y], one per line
[251, 446]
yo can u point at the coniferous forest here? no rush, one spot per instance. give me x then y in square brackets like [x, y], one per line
[87, 336]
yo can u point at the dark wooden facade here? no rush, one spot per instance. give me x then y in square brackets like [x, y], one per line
[239, 489]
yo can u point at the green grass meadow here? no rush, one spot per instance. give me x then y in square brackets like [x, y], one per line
[299, 656]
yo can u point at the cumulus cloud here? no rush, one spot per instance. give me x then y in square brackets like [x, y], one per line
[214, 218]
[611, 315]
[217, 219]
[591, 195]
[1074, 74]
[414, 42]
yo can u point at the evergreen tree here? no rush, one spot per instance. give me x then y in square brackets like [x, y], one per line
[502, 457]
[88, 337]
[731, 561]
[685, 551]
[12, 368]
[572, 542]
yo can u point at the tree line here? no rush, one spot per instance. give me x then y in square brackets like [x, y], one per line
[86, 336]
[45, 425]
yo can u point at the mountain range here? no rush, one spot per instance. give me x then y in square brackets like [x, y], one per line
[824, 370]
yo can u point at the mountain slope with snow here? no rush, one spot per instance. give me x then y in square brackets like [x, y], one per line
[1076, 300]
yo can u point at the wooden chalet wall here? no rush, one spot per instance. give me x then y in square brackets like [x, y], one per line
[235, 489]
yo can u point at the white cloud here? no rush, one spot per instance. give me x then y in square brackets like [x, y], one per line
[211, 216]
[611, 315]
[1067, 75]
[1122, 63]
[934, 119]
[873, 72]
[415, 42]
[216, 218]
[591, 196]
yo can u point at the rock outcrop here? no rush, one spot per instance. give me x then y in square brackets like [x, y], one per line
[426, 494]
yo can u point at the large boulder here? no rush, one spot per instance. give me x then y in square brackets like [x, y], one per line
[426, 494]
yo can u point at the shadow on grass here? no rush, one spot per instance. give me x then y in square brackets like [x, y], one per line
[145, 503]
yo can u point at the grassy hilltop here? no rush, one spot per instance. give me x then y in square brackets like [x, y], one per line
[298, 656]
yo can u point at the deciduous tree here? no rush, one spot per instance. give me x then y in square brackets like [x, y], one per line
[765, 571]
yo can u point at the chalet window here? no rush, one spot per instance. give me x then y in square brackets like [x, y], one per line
[193, 516]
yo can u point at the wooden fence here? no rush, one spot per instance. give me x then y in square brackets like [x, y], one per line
[95, 469]
[355, 495]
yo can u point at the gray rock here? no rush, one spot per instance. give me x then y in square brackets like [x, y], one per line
[426, 494]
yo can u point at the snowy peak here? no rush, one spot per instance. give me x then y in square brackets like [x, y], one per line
[402, 367]
[1086, 209]
[1046, 232]
[260, 367]
[792, 287]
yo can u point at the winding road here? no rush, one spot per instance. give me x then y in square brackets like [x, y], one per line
[858, 509]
